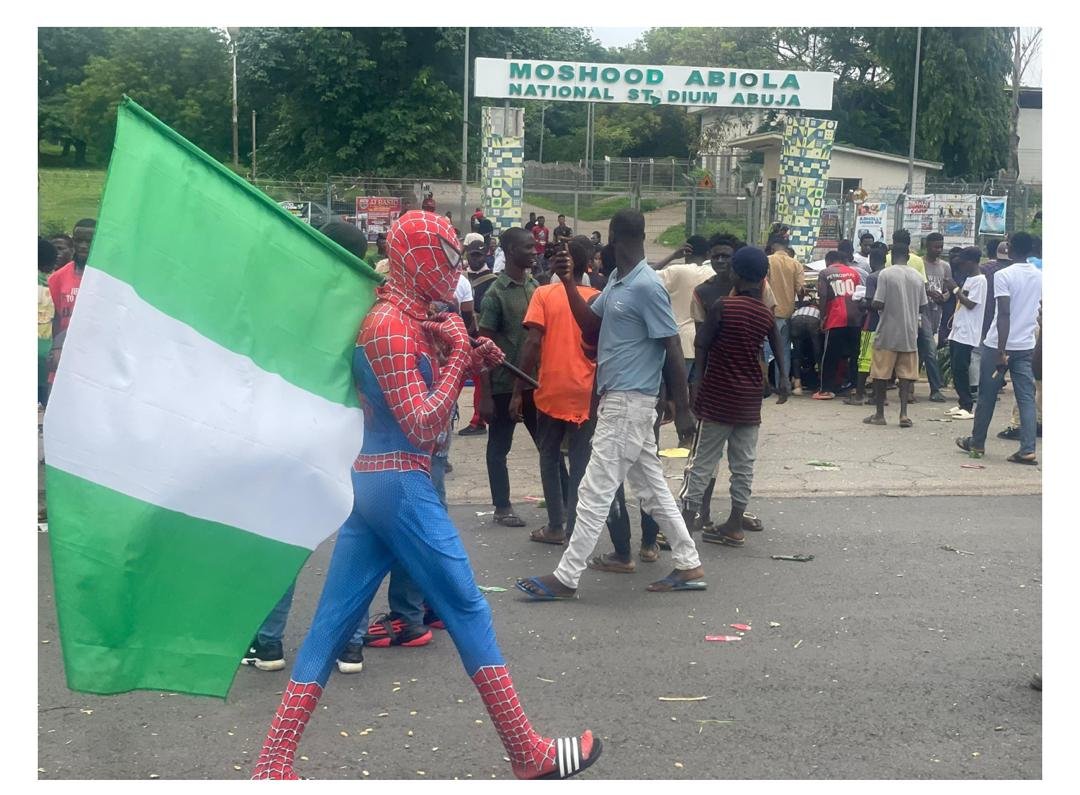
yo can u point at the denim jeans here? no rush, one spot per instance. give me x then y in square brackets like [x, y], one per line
[273, 628]
[783, 356]
[960, 355]
[928, 358]
[990, 383]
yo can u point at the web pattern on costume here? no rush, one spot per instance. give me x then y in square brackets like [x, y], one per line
[278, 752]
[530, 754]
[397, 343]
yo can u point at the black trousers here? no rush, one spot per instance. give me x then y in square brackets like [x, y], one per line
[840, 343]
[960, 356]
[561, 486]
[806, 341]
[501, 439]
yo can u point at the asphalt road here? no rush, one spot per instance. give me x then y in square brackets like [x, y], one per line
[892, 658]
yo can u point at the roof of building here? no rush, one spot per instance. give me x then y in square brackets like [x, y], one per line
[768, 140]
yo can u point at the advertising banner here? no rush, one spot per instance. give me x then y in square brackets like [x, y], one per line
[955, 218]
[503, 157]
[992, 221]
[873, 217]
[804, 176]
[374, 214]
[919, 215]
[709, 86]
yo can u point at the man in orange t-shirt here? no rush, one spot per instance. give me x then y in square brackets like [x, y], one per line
[564, 398]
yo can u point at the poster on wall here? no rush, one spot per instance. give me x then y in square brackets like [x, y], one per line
[804, 176]
[955, 218]
[992, 220]
[503, 158]
[919, 215]
[374, 214]
[872, 218]
[829, 233]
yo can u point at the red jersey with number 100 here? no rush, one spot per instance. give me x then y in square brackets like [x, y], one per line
[836, 286]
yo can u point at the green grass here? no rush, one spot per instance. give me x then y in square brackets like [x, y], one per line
[675, 235]
[66, 195]
[588, 210]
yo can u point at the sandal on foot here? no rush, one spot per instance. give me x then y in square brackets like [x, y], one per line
[545, 536]
[823, 395]
[673, 583]
[905, 422]
[568, 757]
[662, 542]
[540, 592]
[1017, 458]
[874, 419]
[650, 554]
[752, 523]
[854, 400]
[509, 520]
[964, 443]
[716, 537]
[609, 562]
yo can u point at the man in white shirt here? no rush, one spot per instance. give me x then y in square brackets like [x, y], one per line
[966, 334]
[1010, 345]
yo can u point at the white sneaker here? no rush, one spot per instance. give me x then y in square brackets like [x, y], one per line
[953, 410]
[962, 414]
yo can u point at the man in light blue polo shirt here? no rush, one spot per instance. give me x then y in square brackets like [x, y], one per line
[637, 342]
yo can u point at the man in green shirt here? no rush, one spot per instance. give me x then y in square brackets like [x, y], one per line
[502, 314]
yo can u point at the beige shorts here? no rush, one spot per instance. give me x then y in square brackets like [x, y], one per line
[905, 364]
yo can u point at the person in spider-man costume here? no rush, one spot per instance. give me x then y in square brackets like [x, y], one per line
[407, 399]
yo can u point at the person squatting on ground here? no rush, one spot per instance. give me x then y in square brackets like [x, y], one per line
[727, 397]
[408, 399]
[636, 338]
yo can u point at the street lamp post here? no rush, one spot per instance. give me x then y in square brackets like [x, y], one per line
[914, 114]
[465, 134]
[235, 108]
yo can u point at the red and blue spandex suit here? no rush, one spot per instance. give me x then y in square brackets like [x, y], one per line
[407, 399]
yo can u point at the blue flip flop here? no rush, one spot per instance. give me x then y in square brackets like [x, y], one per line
[678, 585]
[548, 595]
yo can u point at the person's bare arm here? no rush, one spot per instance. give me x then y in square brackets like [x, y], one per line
[530, 359]
[962, 297]
[1003, 323]
[675, 379]
[587, 320]
[670, 258]
[782, 386]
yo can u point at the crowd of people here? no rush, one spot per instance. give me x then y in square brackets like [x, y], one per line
[620, 346]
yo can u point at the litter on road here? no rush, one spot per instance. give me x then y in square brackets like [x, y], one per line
[722, 638]
[797, 558]
[683, 698]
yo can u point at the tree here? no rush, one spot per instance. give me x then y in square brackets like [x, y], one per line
[963, 104]
[1025, 46]
[179, 74]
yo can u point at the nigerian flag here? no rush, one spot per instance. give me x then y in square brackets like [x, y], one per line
[200, 432]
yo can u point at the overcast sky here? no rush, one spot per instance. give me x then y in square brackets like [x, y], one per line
[620, 37]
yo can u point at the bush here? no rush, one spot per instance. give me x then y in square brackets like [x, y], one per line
[588, 208]
[676, 235]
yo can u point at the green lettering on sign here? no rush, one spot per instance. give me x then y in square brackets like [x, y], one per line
[695, 79]
[791, 81]
[522, 71]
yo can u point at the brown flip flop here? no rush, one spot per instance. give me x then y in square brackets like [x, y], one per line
[609, 563]
[544, 536]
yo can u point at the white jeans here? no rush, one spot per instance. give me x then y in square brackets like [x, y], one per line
[623, 448]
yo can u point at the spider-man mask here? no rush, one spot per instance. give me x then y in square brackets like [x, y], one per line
[424, 256]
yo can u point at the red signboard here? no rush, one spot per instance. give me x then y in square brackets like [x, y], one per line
[374, 214]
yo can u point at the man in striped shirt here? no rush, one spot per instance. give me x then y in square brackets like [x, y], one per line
[727, 398]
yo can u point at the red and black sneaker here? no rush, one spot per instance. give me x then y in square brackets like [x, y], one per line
[432, 620]
[390, 629]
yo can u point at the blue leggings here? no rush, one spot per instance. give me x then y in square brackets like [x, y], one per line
[397, 516]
